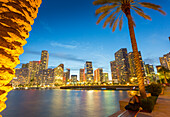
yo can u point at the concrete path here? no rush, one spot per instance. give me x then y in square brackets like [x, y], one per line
[162, 107]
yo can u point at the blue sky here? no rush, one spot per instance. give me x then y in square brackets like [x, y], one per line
[68, 30]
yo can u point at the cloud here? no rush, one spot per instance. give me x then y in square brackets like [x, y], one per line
[152, 60]
[63, 45]
[66, 56]
[58, 55]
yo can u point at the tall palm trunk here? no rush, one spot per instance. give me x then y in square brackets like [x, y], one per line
[165, 76]
[136, 54]
[16, 18]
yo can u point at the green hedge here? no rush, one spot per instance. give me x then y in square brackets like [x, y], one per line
[148, 103]
[154, 89]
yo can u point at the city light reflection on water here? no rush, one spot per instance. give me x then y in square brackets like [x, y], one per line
[63, 103]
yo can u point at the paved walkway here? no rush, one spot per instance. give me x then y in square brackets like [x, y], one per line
[161, 109]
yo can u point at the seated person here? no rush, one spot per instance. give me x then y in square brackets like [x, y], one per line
[133, 104]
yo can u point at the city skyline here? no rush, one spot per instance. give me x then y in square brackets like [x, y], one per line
[79, 39]
[123, 64]
[84, 58]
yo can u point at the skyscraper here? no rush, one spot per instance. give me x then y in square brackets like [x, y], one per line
[74, 78]
[44, 60]
[113, 70]
[25, 65]
[66, 76]
[59, 74]
[48, 77]
[33, 71]
[132, 64]
[98, 75]
[105, 77]
[165, 60]
[149, 69]
[22, 75]
[81, 75]
[122, 65]
[89, 71]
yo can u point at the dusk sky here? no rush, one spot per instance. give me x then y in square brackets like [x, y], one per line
[68, 30]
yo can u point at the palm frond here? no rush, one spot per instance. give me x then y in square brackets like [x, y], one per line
[115, 24]
[111, 16]
[114, 7]
[121, 22]
[107, 20]
[101, 2]
[105, 8]
[112, 21]
[152, 6]
[137, 8]
[142, 14]
[102, 17]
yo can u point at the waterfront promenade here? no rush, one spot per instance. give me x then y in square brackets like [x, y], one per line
[161, 108]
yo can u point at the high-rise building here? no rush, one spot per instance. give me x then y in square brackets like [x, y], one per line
[105, 77]
[66, 76]
[89, 71]
[149, 69]
[47, 77]
[132, 64]
[44, 60]
[82, 75]
[59, 74]
[95, 76]
[113, 70]
[22, 75]
[122, 65]
[74, 78]
[25, 65]
[98, 75]
[165, 61]
[33, 71]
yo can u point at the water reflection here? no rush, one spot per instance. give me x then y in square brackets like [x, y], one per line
[63, 103]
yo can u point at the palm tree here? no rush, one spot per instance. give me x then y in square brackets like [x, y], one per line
[164, 71]
[16, 18]
[114, 10]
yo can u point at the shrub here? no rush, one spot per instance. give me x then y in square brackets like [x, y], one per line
[163, 81]
[168, 80]
[154, 89]
[148, 103]
[159, 81]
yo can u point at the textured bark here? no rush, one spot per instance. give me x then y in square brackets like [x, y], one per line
[16, 18]
[136, 54]
[165, 77]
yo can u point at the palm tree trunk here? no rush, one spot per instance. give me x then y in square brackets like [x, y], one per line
[165, 77]
[136, 55]
[16, 18]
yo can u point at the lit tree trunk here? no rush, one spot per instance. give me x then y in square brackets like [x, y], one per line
[16, 18]
[165, 76]
[136, 54]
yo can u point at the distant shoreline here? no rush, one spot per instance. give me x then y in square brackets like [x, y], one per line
[125, 88]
